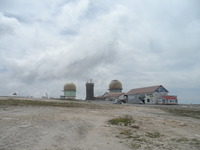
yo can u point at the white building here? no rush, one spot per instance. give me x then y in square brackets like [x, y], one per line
[113, 96]
[115, 92]
[168, 100]
[147, 95]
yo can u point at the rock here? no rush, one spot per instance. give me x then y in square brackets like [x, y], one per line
[183, 124]
[136, 126]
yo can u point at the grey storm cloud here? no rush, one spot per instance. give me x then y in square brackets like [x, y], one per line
[47, 43]
[47, 70]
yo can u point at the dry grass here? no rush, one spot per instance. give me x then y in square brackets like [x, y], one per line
[153, 134]
[194, 113]
[195, 142]
[124, 121]
[135, 145]
[184, 140]
[77, 104]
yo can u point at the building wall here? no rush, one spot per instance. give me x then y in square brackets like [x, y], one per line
[70, 94]
[115, 90]
[121, 97]
[164, 101]
[133, 99]
[158, 95]
[149, 98]
[112, 98]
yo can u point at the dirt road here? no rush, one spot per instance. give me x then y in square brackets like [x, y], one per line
[65, 128]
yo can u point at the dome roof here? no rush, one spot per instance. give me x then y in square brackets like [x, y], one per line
[115, 84]
[70, 87]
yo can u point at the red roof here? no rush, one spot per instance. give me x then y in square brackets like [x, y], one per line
[170, 97]
[149, 89]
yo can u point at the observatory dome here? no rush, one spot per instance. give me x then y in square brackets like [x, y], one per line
[115, 84]
[70, 87]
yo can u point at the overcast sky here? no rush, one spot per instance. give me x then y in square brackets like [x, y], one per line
[47, 43]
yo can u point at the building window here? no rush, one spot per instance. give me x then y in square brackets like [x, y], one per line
[161, 89]
[148, 100]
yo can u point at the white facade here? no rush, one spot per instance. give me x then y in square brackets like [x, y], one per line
[148, 95]
[168, 100]
[111, 96]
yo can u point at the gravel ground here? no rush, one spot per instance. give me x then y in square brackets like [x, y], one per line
[86, 128]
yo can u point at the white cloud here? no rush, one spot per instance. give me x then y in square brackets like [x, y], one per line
[142, 43]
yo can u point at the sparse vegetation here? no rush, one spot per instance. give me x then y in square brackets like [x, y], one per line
[127, 133]
[124, 121]
[17, 102]
[135, 145]
[138, 132]
[187, 112]
[184, 140]
[153, 134]
[195, 142]
[131, 135]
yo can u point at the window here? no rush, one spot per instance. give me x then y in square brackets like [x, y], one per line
[148, 100]
[161, 89]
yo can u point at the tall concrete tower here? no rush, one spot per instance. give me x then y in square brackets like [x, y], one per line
[90, 91]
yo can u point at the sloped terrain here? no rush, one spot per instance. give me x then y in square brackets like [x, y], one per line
[88, 127]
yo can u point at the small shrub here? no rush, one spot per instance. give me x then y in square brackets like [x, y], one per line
[127, 133]
[183, 139]
[194, 113]
[125, 121]
[135, 145]
[153, 134]
[195, 142]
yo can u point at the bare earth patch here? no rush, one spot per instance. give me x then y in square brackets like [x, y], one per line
[65, 125]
